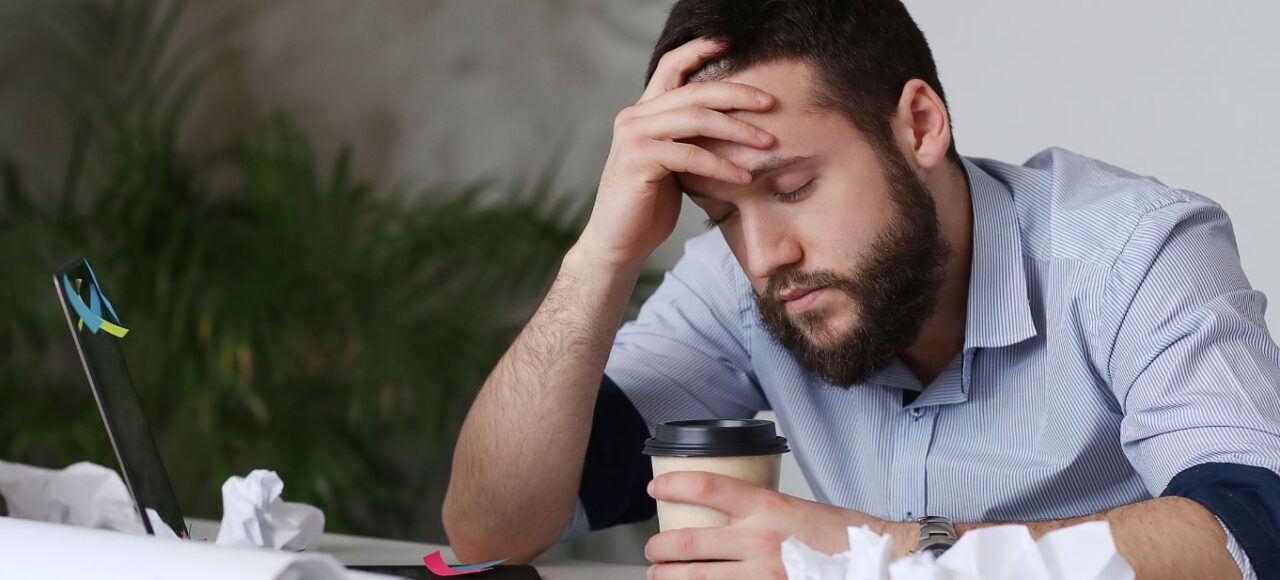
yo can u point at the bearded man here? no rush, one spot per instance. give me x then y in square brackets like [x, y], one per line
[941, 336]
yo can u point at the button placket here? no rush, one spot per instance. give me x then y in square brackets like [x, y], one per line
[914, 436]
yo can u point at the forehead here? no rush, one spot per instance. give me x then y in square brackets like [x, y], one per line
[801, 127]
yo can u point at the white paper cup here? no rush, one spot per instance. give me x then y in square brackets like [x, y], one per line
[746, 449]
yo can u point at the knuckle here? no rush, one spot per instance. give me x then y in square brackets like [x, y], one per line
[666, 59]
[688, 154]
[696, 115]
[696, 91]
[626, 129]
[623, 118]
[686, 545]
[745, 92]
[705, 486]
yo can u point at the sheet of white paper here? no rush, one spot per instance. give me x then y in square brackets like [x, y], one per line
[45, 550]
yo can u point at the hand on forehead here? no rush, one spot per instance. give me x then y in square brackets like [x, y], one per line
[801, 130]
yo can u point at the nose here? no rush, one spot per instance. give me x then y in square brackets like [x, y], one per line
[767, 245]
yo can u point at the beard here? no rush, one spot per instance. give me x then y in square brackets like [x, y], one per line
[893, 293]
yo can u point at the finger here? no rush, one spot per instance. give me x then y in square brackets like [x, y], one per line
[693, 544]
[674, 65]
[718, 95]
[705, 571]
[700, 122]
[730, 495]
[677, 157]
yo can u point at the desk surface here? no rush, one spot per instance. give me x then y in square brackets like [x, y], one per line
[359, 550]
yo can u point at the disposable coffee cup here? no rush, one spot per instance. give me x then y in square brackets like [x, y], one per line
[748, 449]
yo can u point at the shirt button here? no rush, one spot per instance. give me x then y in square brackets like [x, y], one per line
[917, 413]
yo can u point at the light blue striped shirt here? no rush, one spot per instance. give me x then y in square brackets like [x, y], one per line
[1112, 341]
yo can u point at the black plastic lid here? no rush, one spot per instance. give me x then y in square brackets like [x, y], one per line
[715, 438]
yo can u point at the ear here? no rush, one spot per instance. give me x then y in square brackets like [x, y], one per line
[921, 126]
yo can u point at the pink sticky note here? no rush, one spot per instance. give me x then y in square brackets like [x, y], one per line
[435, 563]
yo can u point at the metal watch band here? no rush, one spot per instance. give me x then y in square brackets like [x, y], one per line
[936, 535]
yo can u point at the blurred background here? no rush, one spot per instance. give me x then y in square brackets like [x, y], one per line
[325, 220]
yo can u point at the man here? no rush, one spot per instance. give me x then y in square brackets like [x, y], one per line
[1051, 343]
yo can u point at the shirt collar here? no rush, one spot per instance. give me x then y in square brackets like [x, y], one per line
[999, 311]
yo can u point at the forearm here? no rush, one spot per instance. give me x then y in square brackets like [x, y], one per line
[1165, 538]
[520, 451]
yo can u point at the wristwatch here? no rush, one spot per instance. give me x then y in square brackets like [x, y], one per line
[936, 535]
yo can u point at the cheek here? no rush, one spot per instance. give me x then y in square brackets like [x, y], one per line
[840, 234]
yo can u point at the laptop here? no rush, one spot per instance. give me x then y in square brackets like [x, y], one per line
[97, 331]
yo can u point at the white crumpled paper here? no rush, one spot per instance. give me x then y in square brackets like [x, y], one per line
[254, 515]
[90, 495]
[1081, 552]
[84, 494]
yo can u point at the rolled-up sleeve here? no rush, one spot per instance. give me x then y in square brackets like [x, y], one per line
[1197, 374]
[683, 357]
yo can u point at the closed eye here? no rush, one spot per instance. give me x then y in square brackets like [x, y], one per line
[785, 196]
[795, 193]
[711, 223]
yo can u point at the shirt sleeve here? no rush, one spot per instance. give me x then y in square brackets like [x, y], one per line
[1237, 554]
[683, 357]
[1195, 371]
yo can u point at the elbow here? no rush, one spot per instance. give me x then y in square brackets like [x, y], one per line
[463, 533]
[473, 541]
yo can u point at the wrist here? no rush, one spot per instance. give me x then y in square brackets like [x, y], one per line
[585, 259]
[904, 535]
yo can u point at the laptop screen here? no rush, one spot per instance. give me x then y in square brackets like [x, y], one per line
[103, 360]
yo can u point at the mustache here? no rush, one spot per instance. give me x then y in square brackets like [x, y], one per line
[790, 279]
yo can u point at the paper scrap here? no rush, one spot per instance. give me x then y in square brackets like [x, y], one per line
[83, 494]
[435, 563]
[1081, 552]
[254, 515]
[159, 528]
[91, 315]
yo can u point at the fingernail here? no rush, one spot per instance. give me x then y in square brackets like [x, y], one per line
[762, 136]
[650, 488]
[762, 97]
[649, 573]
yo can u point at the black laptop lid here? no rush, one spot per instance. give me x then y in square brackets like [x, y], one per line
[103, 360]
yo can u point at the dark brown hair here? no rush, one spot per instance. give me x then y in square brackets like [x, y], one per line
[863, 51]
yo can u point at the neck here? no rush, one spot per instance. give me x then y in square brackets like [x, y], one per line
[942, 337]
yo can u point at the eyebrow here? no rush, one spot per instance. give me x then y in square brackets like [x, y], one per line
[768, 166]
